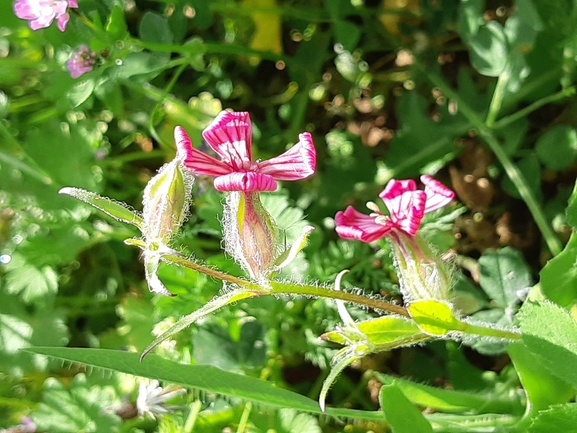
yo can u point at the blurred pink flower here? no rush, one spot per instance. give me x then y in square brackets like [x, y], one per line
[230, 136]
[41, 13]
[406, 206]
[82, 61]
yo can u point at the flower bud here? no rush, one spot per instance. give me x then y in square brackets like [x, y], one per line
[166, 202]
[251, 236]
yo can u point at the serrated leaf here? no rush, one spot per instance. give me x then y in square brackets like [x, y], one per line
[202, 377]
[502, 274]
[550, 333]
[559, 276]
[403, 416]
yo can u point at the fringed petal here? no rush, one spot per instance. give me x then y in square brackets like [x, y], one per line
[438, 195]
[230, 136]
[247, 182]
[296, 163]
[352, 224]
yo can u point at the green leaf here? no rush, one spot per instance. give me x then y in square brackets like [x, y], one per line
[80, 92]
[202, 377]
[119, 211]
[400, 412]
[77, 408]
[550, 333]
[557, 148]
[559, 418]
[142, 65]
[347, 34]
[530, 168]
[572, 208]
[559, 276]
[155, 28]
[116, 27]
[502, 274]
[454, 401]
[30, 282]
[542, 387]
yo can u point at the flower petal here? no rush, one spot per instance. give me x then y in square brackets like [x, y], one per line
[230, 135]
[196, 161]
[352, 224]
[296, 163]
[438, 195]
[407, 210]
[395, 188]
[248, 182]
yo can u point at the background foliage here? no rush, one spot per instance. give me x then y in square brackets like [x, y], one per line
[480, 94]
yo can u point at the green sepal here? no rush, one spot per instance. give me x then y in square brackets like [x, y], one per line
[435, 317]
[119, 211]
[296, 247]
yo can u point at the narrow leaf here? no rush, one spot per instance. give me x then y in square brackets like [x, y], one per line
[119, 211]
[202, 377]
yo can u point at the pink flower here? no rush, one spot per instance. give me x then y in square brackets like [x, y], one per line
[230, 136]
[82, 61]
[41, 13]
[406, 206]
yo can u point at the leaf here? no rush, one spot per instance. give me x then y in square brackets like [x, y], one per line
[559, 276]
[454, 401]
[154, 28]
[543, 389]
[116, 28]
[142, 65]
[80, 92]
[557, 148]
[119, 211]
[502, 274]
[550, 333]
[531, 170]
[202, 377]
[559, 418]
[31, 283]
[400, 412]
[78, 408]
[572, 208]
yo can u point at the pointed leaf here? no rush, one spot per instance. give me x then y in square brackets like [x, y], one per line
[119, 211]
[202, 377]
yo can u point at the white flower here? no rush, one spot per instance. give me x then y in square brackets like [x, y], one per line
[151, 398]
